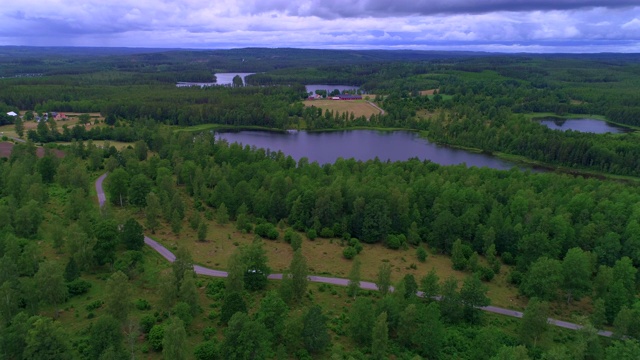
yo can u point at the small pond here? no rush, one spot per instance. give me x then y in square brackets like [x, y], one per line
[583, 125]
[327, 147]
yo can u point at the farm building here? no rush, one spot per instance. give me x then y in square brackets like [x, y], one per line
[347, 97]
[11, 113]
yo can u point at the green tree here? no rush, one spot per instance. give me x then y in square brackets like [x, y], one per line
[118, 296]
[237, 81]
[450, 301]
[46, 340]
[428, 336]
[19, 126]
[361, 321]
[534, 321]
[84, 119]
[189, 294]
[458, 258]
[512, 353]
[353, 286]
[627, 349]
[295, 281]
[152, 212]
[222, 214]
[380, 338]
[202, 231]
[182, 266]
[272, 314]
[235, 273]
[421, 254]
[139, 188]
[410, 286]
[176, 222]
[51, 285]
[315, 336]
[383, 280]
[107, 238]
[473, 295]
[117, 186]
[543, 279]
[576, 274]
[245, 339]
[254, 258]
[174, 343]
[376, 222]
[430, 285]
[132, 235]
[105, 333]
[233, 303]
[71, 271]
[207, 350]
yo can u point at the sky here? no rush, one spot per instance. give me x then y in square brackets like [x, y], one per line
[539, 26]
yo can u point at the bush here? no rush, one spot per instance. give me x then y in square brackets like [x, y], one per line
[288, 235]
[209, 333]
[183, 311]
[78, 287]
[326, 233]
[485, 273]
[349, 252]
[207, 350]
[156, 335]
[394, 242]
[147, 322]
[142, 304]
[215, 288]
[355, 243]
[515, 277]
[508, 259]
[267, 231]
[421, 254]
[97, 304]
[296, 241]
[312, 234]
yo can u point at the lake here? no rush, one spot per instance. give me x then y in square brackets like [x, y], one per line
[227, 78]
[327, 147]
[583, 125]
[329, 88]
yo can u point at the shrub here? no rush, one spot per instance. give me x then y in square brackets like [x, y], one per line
[288, 235]
[326, 233]
[147, 322]
[209, 333]
[206, 351]
[508, 259]
[312, 234]
[156, 335]
[515, 277]
[142, 304]
[394, 242]
[215, 288]
[485, 273]
[421, 253]
[355, 243]
[97, 304]
[78, 287]
[267, 231]
[349, 252]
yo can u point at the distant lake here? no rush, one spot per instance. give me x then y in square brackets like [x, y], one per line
[583, 125]
[221, 79]
[227, 78]
[327, 147]
[329, 88]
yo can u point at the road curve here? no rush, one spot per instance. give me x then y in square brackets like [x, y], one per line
[201, 270]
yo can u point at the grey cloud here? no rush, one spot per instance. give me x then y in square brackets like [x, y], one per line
[332, 9]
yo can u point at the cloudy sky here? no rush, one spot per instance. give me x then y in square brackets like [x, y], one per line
[478, 25]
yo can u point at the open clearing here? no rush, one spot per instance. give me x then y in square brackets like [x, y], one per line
[357, 107]
[6, 147]
[71, 121]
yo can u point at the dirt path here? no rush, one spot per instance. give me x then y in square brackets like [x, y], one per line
[201, 270]
[377, 107]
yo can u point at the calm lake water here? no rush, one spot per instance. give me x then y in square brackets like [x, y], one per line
[227, 78]
[329, 88]
[327, 147]
[583, 125]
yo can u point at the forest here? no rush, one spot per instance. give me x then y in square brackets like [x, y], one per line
[78, 282]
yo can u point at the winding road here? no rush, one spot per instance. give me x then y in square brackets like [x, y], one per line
[201, 270]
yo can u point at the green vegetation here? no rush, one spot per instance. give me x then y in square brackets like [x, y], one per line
[76, 281]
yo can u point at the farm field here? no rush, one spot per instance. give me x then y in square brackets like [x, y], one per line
[357, 107]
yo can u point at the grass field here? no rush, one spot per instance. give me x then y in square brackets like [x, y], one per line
[117, 144]
[357, 107]
[72, 120]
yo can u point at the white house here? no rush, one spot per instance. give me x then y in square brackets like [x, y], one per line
[11, 113]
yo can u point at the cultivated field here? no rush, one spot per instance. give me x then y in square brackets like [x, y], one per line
[357, 107]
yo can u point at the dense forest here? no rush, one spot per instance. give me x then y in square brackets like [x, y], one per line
[78, 282]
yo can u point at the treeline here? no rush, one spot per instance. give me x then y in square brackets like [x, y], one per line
[523, 218]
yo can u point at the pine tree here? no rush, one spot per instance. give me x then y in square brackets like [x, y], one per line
[152, 212]
[383, 281]
[222, 214]
[315, 336]
[71, 271]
